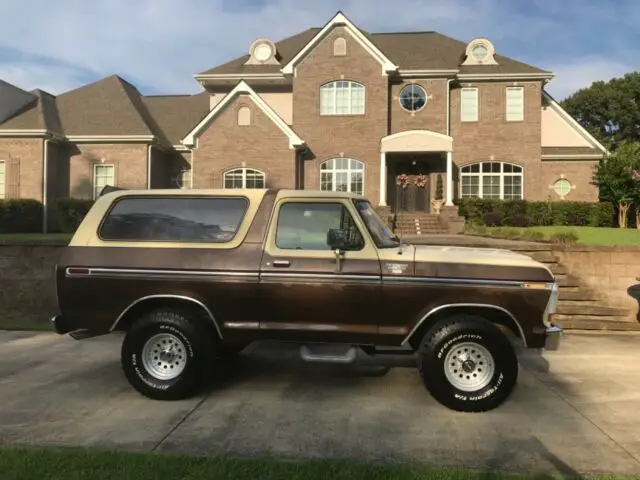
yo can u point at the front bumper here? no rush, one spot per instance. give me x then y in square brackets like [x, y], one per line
[553, 337]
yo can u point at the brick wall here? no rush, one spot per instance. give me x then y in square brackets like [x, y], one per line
[130, 163]
[433, 116]
[260, 145]
[354, 136]
[578, 172]
[492, 136]
[23, 159]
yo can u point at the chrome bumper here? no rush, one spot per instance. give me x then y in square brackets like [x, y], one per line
[553, 338]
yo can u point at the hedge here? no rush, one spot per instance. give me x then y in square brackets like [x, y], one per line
[20, 215]
[70, 212]
[521, 213]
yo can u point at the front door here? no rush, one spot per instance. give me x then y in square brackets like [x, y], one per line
[412, 188]
[306, 294]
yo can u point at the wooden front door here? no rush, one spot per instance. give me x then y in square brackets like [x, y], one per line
[412, 188]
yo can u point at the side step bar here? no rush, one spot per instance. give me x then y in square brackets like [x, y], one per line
[328, 353]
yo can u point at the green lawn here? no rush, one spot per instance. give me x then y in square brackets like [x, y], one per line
[75, 464]
[596, 236]
[34, 238]
[24, 324]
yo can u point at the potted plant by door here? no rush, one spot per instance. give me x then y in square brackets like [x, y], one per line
[438, 201]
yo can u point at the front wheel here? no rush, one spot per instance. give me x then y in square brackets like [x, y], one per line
[468, 364]
[166, 355]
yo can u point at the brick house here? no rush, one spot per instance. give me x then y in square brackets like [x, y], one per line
[329, 108]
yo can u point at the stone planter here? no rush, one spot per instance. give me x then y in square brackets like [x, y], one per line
[436, 205]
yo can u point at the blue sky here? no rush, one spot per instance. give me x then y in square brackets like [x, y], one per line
[159, 44]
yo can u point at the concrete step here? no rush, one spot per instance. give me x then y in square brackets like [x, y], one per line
[598, 324]
[591, 310]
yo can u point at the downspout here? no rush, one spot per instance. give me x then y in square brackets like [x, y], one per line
[448, 120]
[45, 190]
[149, 147]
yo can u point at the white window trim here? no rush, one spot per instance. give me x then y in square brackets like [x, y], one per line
[520, 115]
[334, 102]
[3, 183]
[96, 166]
[501, 173]
[414, 85]
[462, 104]
[244, 175]
[347, 170]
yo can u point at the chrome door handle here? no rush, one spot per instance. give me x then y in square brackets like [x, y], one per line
[281, 263]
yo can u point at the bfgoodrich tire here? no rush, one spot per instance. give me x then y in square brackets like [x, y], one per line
[468, 364]
[166, 354]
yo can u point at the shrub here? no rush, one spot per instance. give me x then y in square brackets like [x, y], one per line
[70, 212]
[520, 213]
[533, 236]
[20, 215]
[493, 219]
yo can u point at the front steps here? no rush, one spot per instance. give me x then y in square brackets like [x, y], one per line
[419, 224]
[580, 306]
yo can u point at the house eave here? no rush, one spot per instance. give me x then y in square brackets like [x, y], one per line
[573, 157]
[111, 138]
[427, 73]
[505, 76]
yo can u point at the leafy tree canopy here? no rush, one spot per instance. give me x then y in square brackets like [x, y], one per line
[610, 111]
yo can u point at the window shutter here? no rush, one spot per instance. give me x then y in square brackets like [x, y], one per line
[12, 178]
[515, 104]
[469, 105]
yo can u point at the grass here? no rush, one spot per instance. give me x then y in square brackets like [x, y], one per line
[10, 323]
[593, 236]
[74, 463]
[34, 238]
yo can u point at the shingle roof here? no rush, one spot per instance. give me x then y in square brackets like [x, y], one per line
[408, 50]
[41, 114]
[177, 114]
[104, 107]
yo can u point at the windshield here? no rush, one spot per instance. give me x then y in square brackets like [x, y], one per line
[381, 233]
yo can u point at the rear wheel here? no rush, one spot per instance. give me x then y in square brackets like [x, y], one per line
[468, 364]
[166, 354]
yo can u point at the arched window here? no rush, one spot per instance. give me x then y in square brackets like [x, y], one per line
[491, 180]
[244, 116]
[244, 178]
[342, 175]
[339, 47]
[342, 98]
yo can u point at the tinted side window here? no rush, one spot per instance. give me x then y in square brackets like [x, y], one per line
[304, 226]
[176, 219]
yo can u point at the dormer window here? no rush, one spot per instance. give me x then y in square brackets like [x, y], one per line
[262, 52]
[480, 51]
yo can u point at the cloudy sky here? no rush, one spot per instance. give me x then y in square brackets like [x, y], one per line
[159, 44]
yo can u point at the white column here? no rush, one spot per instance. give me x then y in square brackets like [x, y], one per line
[449, 194]
[383, 180]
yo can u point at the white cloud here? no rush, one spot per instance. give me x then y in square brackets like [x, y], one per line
[155, 43]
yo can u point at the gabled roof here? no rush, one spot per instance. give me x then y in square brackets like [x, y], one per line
[425, 50]
[39, 114]
[243, 88]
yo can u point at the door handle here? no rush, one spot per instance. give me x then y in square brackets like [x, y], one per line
[281, 263]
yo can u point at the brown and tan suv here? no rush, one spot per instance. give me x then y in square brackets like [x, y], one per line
[194, 276]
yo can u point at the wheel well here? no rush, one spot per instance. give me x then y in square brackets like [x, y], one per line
[183, 304]
[501, 318]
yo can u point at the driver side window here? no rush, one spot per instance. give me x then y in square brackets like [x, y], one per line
[304, 226]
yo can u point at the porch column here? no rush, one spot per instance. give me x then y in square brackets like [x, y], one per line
[383, 180]
[449, 194]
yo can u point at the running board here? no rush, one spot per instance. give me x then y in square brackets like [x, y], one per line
[328, 353]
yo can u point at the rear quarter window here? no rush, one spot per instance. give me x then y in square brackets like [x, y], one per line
[174, 219]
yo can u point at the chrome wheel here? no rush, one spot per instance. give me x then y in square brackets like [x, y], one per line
[469, 367]
[164, 356]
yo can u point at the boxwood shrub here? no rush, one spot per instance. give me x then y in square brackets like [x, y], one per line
[521, 213]
[70, 212]
[20, 215]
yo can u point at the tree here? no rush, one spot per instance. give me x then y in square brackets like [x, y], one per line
[610, 111]
[618, 179]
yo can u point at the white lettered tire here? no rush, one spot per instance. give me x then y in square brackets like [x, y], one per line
[166, 354]
[467, 363]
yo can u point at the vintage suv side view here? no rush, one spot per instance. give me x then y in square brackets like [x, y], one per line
[193, 276]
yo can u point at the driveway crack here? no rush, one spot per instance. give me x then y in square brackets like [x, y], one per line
[180, 422]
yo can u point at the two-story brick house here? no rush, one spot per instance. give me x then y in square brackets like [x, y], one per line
[332, 108]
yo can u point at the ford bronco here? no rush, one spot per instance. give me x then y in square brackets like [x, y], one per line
[192, 277]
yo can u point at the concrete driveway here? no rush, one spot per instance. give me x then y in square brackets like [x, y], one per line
[574, 411]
